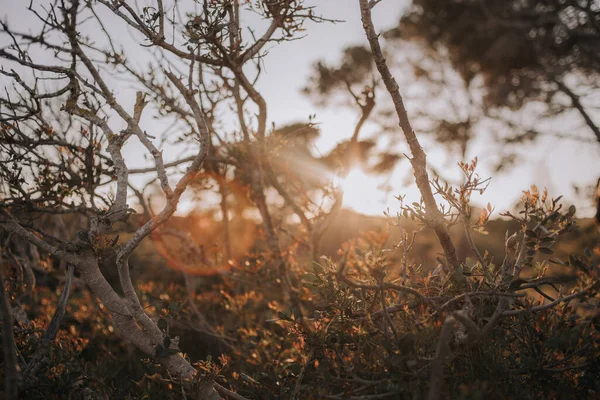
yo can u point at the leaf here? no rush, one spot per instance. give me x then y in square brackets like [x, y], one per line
[282, 315]
[296, 313]
[248, 378]
[516, 283]
[545, 250]
[580, 265]
[163, 324]
[310, 277]
[318, 268]
[458, 278]
[294, 368]
[114, 241]
[411, 363]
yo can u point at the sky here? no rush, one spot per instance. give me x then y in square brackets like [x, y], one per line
[554, 163]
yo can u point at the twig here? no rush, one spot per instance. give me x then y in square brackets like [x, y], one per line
[301, 375]
[385, 286]
[550, 304]
[40, 359]
[52, 329]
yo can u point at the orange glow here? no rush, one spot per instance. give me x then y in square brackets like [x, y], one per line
[361, 192]
[196, 244]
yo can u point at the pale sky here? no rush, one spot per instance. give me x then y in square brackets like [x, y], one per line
[555, 163]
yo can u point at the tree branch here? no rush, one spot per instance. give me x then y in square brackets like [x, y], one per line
[419, 162]
[10, 364]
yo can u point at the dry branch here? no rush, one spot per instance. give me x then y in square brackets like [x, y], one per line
[435, 219]
[10, 363]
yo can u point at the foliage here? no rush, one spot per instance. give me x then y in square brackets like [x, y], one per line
[519, 47]
[500, 71]
[103, 299]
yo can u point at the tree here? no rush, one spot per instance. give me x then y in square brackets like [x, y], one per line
[515, 69]
[64, 128]
[354, 78]
[518, 54]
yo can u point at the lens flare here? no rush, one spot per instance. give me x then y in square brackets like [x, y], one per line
[202, 243]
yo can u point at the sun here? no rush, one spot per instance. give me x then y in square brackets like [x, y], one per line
[362, 192]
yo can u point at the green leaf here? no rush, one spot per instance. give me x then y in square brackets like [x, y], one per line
[530, 233]
[545, 250]
[580, 265]
[458, 278]
[294, 368]
[282, 315]
[163, 324]
[310, 277]
[248, 378]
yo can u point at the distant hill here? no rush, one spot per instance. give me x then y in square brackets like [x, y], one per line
[149, 259]
[349, 225]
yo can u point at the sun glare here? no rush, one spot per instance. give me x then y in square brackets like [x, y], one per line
[362, 192]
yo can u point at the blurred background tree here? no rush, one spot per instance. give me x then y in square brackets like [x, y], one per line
[507, 73]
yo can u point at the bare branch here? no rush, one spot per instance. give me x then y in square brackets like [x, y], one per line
[419, 162]
[551, 304]
[576, 101]
[10, 363]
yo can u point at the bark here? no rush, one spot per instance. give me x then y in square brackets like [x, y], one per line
[258, 156]
[442, 354]
[11, 367]
[132, 326]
